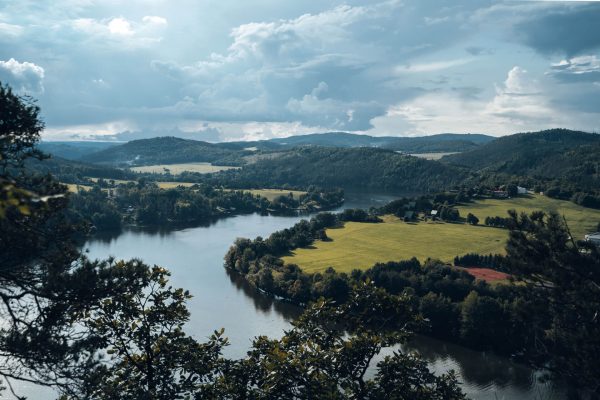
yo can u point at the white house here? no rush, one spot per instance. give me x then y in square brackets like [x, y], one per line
[521, 190]
[593, 238]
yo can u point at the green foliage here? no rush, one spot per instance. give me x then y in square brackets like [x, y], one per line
[472, 219]
[317, 359]
[145, 203]
[563, 277]
[352, 168]
[149, 354]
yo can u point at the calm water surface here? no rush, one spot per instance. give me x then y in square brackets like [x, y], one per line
[195, 258]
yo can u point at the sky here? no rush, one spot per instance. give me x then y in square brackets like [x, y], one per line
[230, 70]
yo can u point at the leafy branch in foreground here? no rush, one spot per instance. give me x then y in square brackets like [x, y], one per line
[326, 355]
[564, 278]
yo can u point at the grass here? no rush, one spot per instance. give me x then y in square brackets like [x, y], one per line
[432, 156]
[75, 188]
[271, 194]
[162, 185]
[581, 220]
[361, 245]
[176, 169]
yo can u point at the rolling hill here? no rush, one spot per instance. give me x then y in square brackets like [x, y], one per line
[76, 150]
[550, 154]
[167, 150]
[446, 142]
[362, 168]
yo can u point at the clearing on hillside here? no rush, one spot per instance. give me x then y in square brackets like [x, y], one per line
[581, 220]
[272, 194]
[361, 245]
[176, 169]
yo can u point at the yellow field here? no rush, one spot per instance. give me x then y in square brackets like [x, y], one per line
[272, 194]
[176, 169]
[76, 188]
[581, 220]
[360, 245]
[162, 185]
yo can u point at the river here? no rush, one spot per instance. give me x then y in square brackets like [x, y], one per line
[195, 258]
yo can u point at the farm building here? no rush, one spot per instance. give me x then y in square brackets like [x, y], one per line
[593, 238]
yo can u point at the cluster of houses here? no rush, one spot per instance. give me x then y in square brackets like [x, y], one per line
[503, 194]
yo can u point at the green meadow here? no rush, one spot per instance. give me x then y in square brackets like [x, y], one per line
[360, 245]
[176, 169]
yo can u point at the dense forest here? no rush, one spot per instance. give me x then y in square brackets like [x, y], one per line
[167, 150]
[356, 168]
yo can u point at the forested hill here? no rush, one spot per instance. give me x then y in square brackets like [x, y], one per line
[556, 153]
[446, 142]
[350, 168]
[70, 171]
[167, 150]
[76, 150]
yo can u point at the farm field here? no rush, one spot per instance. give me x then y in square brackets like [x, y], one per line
[361, 245]
[271, 194]
[432, 156]
[162, 185]
[581, 220]
[176, 169]
[73, 188]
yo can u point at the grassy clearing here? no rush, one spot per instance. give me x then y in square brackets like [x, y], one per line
[360, 245]
[581, 220]
[432, 156]
[76, 188]
[271, 194]
[162, 185]
[176, 169]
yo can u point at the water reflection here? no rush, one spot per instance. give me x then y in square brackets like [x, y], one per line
[263, 303]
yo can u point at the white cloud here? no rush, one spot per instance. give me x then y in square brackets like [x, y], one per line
[153, 19]
[10, 30]
[519, 104]
[577, 69]
[432, 66]
[123, 31]
[25, 76]
[120, 26]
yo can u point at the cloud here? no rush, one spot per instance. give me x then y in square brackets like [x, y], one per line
[569, 29]
[25, 76]
[256, 70]
[577, 69]
[10, 30]
[120, 30]
[432, 66]
[519, 104]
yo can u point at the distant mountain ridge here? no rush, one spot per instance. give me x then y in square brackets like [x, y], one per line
[445, 142]
[76, 150]
[169, 150]
[550, 154]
